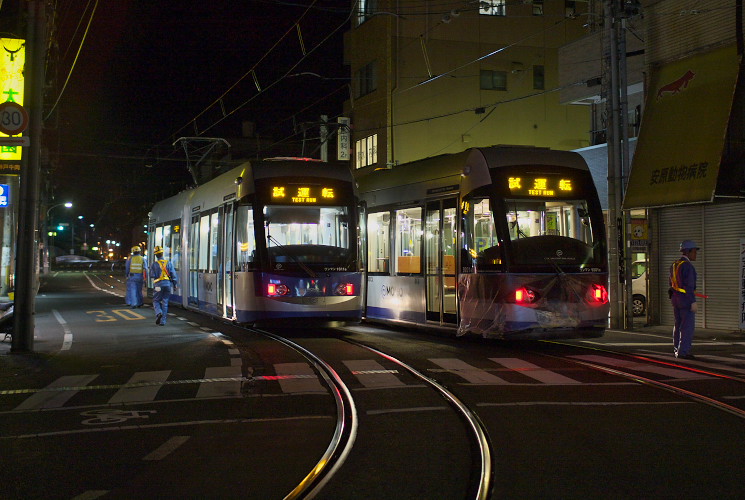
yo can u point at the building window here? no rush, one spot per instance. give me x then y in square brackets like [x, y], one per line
[539, 79]
[367, 151]
[537, 7]
[492, 7]
[365, 79]
[570, 7]
[365, 10]
[493, 80]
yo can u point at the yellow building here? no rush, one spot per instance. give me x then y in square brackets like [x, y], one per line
[433, 78]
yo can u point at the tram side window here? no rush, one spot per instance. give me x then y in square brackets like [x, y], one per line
[409, 240]
[176, 248]
[245, 239]
[167, 242]
[204, 242]
[378, 242]
[214, 243]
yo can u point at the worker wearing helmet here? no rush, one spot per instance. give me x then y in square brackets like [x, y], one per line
[165, 280]
[683, 297]
[136, 273]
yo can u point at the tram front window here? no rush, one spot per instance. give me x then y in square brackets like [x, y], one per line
[550, 232]
[309, 235]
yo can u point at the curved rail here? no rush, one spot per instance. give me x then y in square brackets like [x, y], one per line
[483, 487]
[701, 398]
[346, 425]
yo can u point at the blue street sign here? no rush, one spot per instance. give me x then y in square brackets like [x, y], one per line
[4, 195]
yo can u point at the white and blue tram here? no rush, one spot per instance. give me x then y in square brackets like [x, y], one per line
[269, 240]
[503, 242]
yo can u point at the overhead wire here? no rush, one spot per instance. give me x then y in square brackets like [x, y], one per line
[72, 67]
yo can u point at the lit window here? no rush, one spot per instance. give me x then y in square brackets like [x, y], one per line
[367, 151]
[492, 7]
[537, 7]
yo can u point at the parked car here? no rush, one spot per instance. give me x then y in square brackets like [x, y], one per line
[639, 287]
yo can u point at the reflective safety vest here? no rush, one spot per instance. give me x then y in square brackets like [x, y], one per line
[164, 272]
[136, 264]
[675, 275]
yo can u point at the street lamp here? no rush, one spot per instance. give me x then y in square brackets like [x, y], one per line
[67, 204]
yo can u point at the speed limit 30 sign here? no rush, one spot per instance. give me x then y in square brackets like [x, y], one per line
[13, 118]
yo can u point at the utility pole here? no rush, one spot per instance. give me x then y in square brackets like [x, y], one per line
[618, 161]
[27, 249]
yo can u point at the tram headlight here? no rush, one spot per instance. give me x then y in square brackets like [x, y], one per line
[345, 289]
[276, 290]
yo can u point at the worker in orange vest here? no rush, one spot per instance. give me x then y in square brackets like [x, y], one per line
[136, 273]
[683, 298]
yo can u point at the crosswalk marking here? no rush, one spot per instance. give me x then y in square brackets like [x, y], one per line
[216, 389]
[642, 367]
[143, 386]
[54, 395]
[470, 373]
[372, 374]
[302, 378]
[534, 371]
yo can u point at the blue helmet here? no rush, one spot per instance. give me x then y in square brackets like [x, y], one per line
[688, 245]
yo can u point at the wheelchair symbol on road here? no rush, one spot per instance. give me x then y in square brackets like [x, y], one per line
[105, 417]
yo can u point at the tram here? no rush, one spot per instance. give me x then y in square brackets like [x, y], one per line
[267, 241]
[503, 242]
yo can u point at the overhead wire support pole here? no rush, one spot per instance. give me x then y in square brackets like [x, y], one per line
[615, 222]
[27, 249]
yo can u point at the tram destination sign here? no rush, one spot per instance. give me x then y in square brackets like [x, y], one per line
[303, 194]
[543, 185]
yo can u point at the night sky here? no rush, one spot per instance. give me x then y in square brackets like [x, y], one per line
[147, 69]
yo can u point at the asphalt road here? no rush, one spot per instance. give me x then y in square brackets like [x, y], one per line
[110, 405]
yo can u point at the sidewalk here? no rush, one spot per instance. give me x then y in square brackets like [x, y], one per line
[698, 334]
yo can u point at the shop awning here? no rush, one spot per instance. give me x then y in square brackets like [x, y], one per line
[683, 131]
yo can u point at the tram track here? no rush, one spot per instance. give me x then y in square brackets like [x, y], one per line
[651, 382]
[343, 440]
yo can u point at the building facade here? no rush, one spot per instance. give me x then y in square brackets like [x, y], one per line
[430, 79]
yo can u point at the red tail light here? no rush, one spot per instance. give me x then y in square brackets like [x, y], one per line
[524, 296]
[599, 294]
[276, 290]
[345, 289]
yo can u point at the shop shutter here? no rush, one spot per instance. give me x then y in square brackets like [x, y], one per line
[675, 225]
[724, 225]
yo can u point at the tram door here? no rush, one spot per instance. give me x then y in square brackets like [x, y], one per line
[226, 267]
[439, 254]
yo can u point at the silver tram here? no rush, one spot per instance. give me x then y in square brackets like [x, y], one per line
[267, 241]
[503, 242]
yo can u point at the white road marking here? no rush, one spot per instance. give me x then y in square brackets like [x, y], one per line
[231, 386]
[372, 374]
[67, 340]
[535, 371]
[56, 394]
[305, 383]
[143, 386]
[642, 367]
[470, 373]
[166, 448]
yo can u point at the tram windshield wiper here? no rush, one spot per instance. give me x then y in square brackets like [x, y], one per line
[304, 267]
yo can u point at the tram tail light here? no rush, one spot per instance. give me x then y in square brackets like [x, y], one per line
[345, 289]
[276, 290]
[524, 296]
[598, 294]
